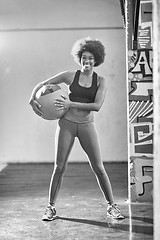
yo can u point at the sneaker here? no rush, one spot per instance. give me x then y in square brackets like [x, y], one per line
[114, 212]
[50, 214]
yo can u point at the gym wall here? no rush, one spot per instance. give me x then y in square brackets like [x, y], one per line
[140, 84]
[36, 38]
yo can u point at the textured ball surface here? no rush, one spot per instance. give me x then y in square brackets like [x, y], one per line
[46, 96]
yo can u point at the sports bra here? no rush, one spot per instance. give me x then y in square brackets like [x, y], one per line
[82, 94]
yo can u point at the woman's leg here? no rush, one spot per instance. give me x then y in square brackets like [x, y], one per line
[64, 143]
[88, 138]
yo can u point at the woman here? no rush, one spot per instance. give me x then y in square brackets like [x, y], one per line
[87, 93]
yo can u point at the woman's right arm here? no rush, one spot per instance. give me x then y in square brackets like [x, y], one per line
[63, 77]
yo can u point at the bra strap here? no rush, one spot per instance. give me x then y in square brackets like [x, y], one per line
[94, 79]
[76, 76]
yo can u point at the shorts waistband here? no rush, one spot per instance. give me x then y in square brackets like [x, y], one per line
[82, 122]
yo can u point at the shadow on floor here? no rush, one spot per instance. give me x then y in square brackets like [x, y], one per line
[116, 224]
[24, 193]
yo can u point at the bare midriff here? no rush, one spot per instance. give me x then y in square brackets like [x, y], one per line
[79, 116]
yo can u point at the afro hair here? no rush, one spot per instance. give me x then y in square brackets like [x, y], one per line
[93, 46]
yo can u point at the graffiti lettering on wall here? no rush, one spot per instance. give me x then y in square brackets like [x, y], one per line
[140, 65]
[145, 25]
[140, 83]
[142, 139]
[141, 102]
[141, 179]
[140, 86]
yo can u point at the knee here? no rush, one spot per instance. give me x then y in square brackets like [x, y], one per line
[99, 170]
[59, 169]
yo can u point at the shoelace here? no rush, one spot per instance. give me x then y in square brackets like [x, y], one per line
[119, 214]
[115, 210]
[49, 210]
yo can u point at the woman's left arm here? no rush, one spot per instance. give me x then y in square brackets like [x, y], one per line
[95, 106]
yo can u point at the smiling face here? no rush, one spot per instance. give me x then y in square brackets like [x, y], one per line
[87, 61]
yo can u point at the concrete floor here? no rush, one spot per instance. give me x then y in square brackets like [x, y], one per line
[80, 206]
